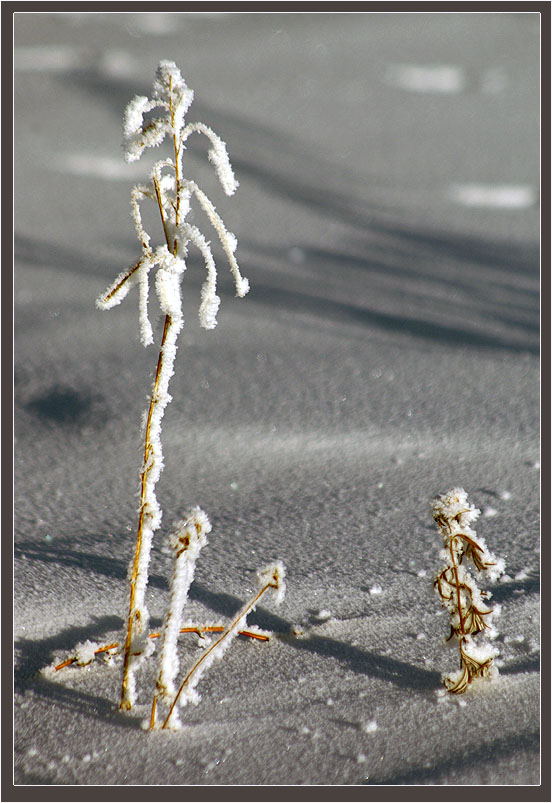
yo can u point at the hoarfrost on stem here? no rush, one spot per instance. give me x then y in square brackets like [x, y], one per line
[173, 194]
[471, 619]
[147, 121]
[270, 577]
[186, 539]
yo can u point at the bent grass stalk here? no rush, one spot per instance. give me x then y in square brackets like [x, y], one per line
[270, 577]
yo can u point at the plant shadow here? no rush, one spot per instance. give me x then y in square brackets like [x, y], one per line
[499, 748]
[459, 289]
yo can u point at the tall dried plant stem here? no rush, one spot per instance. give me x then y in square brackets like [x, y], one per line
[173, 97]
[126, 704]
[148, 465]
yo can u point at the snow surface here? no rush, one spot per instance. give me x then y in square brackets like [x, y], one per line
[387, 351]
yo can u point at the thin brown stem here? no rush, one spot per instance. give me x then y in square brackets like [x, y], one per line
[458, 594]
[68, 662]
[199, 630]
[153, 710]
[161, 212]
[125, 704]
[176, 163]
[226, 633]
[148, 447]
[126, 277]
[217, 629]
[73, 660]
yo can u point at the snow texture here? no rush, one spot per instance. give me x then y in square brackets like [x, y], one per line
[388, 350]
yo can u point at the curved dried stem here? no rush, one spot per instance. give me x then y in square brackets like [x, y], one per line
[228, 632]
[461, 685]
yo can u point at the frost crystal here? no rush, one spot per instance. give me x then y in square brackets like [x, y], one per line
[273, 577]
[85, 651]
[454, 507]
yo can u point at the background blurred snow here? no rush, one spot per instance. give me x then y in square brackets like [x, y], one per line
[387, 351]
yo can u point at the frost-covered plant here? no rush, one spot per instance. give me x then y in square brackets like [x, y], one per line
[172, 193]
[471, 619]
[186, 539]
[271, 577]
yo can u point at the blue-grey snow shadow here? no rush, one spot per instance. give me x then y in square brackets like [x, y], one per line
[499, 280]
[437, 774]
[451, 335]
[66, 406]
[34, 655]
[370, 664]
[457, 332]
[32, 250]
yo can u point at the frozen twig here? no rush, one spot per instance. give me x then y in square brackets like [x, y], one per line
[271, 577]
[187, 538]
[200, 631]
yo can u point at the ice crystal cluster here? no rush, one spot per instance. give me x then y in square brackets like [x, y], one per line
[471, 619]
[173, 194]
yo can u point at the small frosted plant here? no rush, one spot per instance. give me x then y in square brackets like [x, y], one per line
[172, 194]
[471, 619]
[271, 577]
[187, 538]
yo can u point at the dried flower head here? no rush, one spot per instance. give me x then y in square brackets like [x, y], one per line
[471, 619]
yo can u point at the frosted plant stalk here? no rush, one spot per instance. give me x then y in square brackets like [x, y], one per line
[271, 577]
[187, 539]
[469, 614]
[171, 99]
